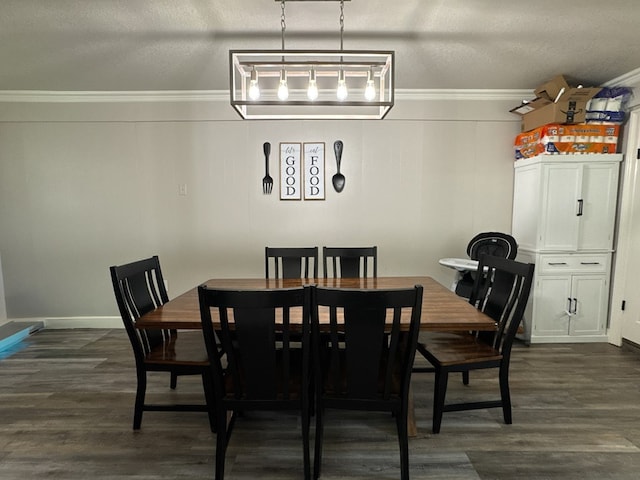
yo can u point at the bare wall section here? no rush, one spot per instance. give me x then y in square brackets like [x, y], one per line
[85, 186]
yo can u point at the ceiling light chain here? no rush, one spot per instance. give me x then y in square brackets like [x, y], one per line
[283, 22]
[341, 24]
[283, 88]
[341, 92]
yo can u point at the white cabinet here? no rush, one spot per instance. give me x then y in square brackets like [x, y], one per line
[565, 203]
[563, 220]
[569, 297]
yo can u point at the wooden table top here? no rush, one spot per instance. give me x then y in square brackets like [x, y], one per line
[442, 310]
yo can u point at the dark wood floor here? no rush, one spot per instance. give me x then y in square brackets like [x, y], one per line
[66, 401]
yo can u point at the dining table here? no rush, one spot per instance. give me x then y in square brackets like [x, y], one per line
[442, 310]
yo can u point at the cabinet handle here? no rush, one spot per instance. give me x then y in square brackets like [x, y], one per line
[557, 263]
[589, 263]
[580, 203]
[575, 306]
[568, 310]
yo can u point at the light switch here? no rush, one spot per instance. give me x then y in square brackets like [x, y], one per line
[182, 189]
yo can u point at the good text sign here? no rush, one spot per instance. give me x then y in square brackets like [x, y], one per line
[290, 171]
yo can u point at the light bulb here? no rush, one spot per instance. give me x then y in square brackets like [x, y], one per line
[370, 89]
[254, 89]
[312, 90]
[283, 90]
[342, 92]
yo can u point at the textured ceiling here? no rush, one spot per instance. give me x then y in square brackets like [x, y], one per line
[154, 45]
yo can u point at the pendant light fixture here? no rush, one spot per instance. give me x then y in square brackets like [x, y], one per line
[311, 84]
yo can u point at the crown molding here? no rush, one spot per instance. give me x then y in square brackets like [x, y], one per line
[44, 96]
[462, 94]
[630, 78]
[41, 96]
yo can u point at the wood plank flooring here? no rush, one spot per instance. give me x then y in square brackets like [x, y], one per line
[66, 404]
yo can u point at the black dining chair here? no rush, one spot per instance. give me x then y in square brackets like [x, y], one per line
[350, 262]
[363, 357]
[291, 262]
[263, 371]
[501, 292]
[139, 288]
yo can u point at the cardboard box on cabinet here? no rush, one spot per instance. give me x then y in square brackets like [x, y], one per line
[552, 88]
[556, 102]
[558, 139]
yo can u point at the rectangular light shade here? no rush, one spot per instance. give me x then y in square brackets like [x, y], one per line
[267, 67]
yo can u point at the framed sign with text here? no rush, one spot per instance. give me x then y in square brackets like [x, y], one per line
[313, 164]
[290, 171]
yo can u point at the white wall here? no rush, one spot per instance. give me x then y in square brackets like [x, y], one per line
[87, 185]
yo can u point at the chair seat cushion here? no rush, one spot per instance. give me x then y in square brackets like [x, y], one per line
[187, 348]
[460, 349]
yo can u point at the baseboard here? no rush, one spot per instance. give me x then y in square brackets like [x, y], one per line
[75, 322]
[629, 345]
[570, 339]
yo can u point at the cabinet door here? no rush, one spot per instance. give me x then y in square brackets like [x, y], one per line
[526, 206]
[599, 196]
[551, 303]
[560, 220]
[591, 294]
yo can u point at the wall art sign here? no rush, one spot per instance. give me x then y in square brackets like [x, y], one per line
[290, 171]
[313, 171]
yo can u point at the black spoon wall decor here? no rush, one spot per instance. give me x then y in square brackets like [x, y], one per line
[338, 179]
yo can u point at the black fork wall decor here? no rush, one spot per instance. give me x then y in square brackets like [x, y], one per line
[267, 181]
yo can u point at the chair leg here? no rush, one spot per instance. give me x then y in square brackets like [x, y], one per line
[311, 393]
[403, 440]
[439, 395]
[140, 394]
[174, 381]
[221, 443]
[306, 420]
[505, 394]
[207, 384]
[317, 457]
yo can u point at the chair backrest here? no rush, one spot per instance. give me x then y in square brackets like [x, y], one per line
[291, 262]
[496, 244]
[370, 353]
[254, 329]
[350, 262]
[502, 292]
[139, 288]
